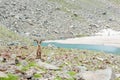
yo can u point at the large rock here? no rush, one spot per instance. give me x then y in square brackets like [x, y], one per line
[2, 74]
[106, 74]
[117, 75]
[47, 66]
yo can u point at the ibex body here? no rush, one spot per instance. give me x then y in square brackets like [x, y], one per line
[39, 50]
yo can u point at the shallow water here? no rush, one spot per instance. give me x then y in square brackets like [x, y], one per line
[102, 48]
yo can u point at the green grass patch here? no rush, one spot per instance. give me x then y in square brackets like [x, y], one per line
[25, 68]
[58, 78]
[72, 73]
[10, 77]
[117, 79]
[30, 64]
[37, 75]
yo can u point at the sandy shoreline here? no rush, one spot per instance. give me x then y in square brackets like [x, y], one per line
[96, 40]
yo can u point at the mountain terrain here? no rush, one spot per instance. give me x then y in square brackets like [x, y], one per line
[21, 21]
[59, 19]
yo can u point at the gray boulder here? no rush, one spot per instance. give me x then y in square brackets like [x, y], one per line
[2, 74]
[117, 75]
[47, 66]
[106, 74]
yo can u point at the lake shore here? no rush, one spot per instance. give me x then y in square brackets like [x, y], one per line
[95, 40]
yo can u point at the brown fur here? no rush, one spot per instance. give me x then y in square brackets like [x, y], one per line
[39, 50]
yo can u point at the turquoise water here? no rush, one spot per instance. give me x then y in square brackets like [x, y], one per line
[102, 48]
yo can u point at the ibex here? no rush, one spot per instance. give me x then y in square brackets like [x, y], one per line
[39, 50]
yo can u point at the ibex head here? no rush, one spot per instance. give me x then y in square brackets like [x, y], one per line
[38, 42]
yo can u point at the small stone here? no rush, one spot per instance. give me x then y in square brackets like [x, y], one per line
[80, 68]
[2, 69]
[13, 56]
[24, 63]
[1, 59]
[4, 60]
[16, 61]
[12, 62]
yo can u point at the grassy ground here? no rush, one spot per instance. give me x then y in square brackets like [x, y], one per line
[116, 1]
[7, 36]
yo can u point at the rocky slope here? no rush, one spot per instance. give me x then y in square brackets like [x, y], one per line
[8, 37]
[20, 63]
[51, 19]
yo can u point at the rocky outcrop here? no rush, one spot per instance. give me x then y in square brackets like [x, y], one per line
[106, 74]
[47, 66]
